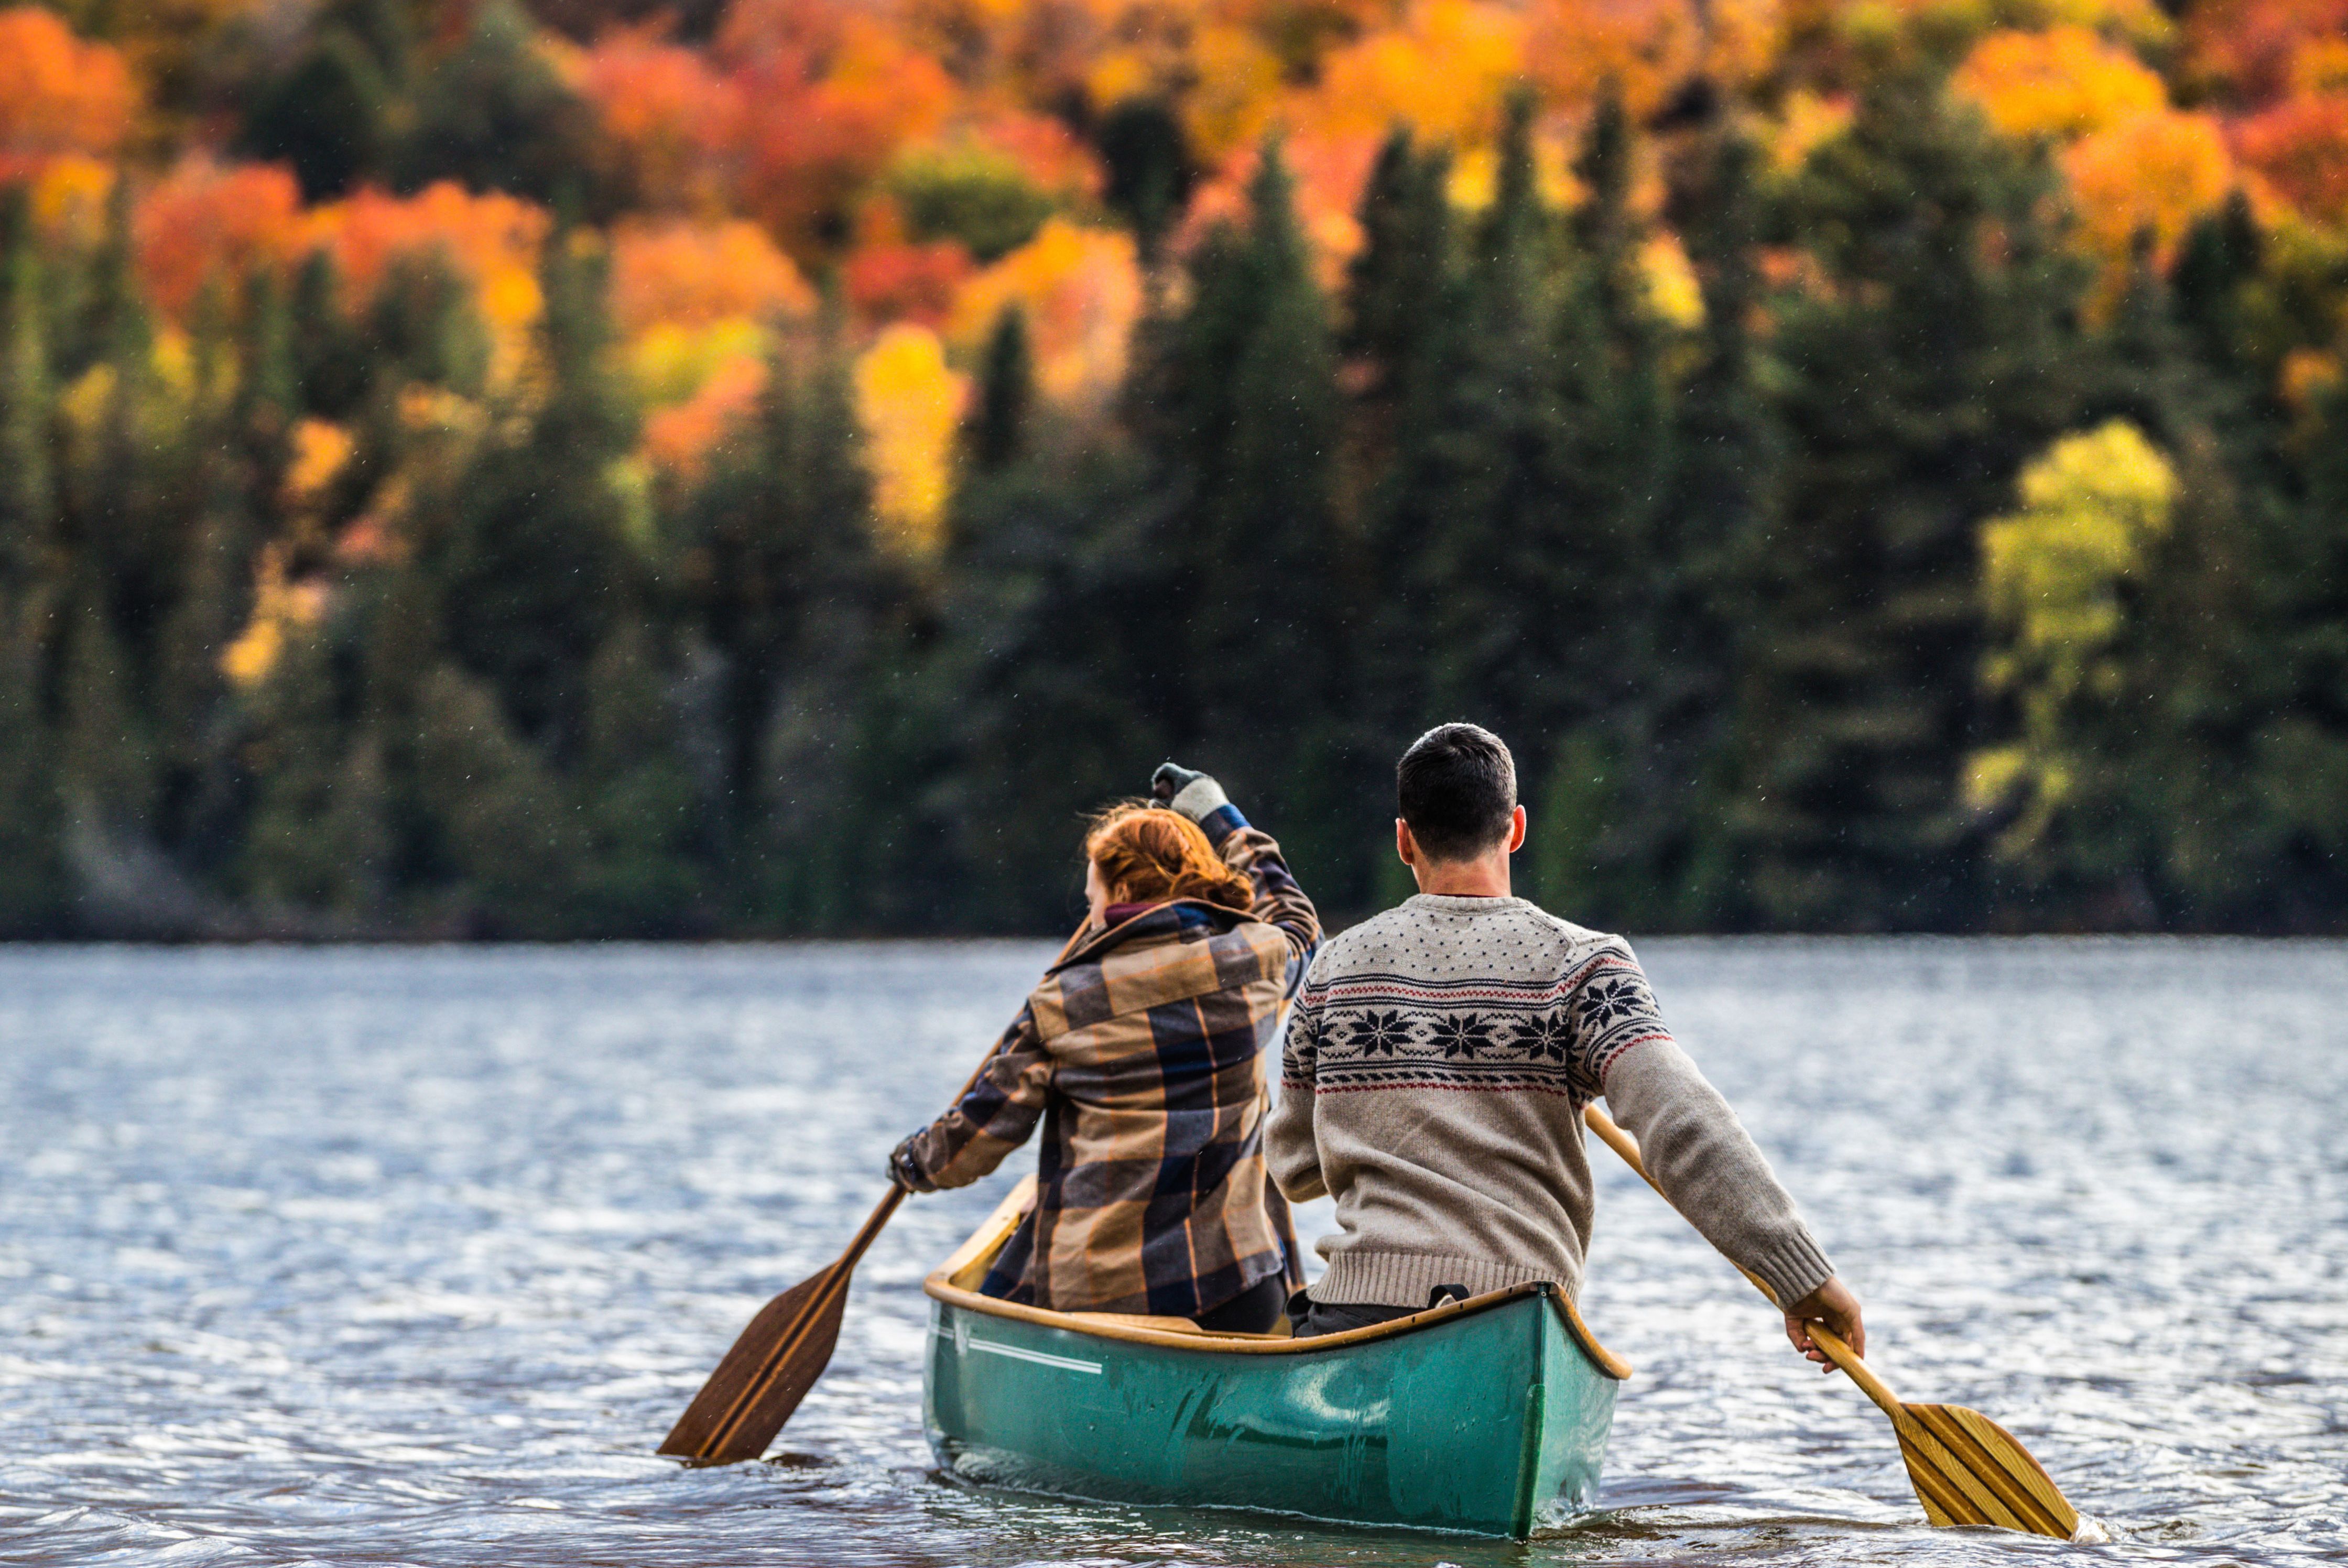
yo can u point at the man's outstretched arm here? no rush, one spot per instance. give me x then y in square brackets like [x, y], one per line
[1700, 1155]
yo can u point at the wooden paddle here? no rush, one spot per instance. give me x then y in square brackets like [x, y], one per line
[774, 1363]
[1966, 1469]
[776, 1359]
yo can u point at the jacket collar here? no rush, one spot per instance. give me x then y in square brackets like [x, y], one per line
[1159, 921]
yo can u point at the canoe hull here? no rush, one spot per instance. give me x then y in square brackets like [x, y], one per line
[1483, 1422]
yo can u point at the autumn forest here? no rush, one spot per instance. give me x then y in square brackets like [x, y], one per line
[768, 466]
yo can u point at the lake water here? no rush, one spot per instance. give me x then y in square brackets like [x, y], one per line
[412, 1256]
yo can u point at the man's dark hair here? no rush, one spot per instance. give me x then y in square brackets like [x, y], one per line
[1457, 787]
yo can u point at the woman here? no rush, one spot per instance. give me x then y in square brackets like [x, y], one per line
[1142, 1053]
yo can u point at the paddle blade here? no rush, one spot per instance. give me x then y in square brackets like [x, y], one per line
[1968, 1469]
[763, 1378]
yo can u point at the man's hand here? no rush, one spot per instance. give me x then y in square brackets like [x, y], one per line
[1832, 1305]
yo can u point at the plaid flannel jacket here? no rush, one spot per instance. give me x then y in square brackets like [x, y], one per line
[1142, 1053]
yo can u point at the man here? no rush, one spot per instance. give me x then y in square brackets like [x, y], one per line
[1437, 1062]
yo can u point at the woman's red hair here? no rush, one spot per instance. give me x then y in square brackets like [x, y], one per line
[1149, 855]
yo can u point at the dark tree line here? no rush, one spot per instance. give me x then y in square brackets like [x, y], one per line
[1719, 581]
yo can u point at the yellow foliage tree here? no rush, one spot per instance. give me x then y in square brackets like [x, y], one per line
[1080, 289]
[1442, 72]
[909, 403]
[2066, 82]
[2052, 574]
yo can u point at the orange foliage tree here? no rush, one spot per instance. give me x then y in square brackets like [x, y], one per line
[828, 95]
[1442, 71]
[2300, 146]
[57, 94]
[205, 220]
[888, 276]
[1646, 47]
[492, 238]
[2152, 173]
[1080, 291]
[692, 275]
[667, 116]
[680, 439]
[2248, 48]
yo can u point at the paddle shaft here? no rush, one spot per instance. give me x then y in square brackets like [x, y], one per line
[809, 1322]
[813, 1318]
[1825, 1339]
[749, 1417]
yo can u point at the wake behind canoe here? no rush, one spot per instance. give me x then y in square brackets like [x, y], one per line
[1477, 1417]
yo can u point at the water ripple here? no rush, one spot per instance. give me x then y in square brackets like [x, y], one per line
[411, 1256]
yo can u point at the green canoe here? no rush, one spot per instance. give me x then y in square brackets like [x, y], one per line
[1481, 1416]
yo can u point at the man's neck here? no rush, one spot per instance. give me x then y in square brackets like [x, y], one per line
[1486, 876]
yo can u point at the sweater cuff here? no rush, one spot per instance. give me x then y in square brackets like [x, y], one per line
[1794, 1267]
[1221, 823]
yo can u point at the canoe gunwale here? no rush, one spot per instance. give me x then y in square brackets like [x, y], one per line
[988, 1239]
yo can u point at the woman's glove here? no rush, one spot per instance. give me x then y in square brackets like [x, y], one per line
[903, 1171]
[1192, 793]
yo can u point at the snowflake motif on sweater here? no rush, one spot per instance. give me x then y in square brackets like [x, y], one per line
[1546, 1036]
[1461, 1034]
[1379, 1034]
[1603, 1001]
[1504, 1029]
[1438, 1058]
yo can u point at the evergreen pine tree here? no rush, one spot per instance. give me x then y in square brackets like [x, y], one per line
[1611, 809]
[493, 115]
[998, 433]
[1401, 336]
[32, 818]
[330, 363]
[27, 412]
[32, 883]
[527, 565]
[1498, 513]
[1150, 169]
[1938, 355]
[780, 540]
[107, 755]
[326, 116]
[1729, 455]
[640, 872]
[1243, 417]
[1029, 687]
[242, 455]
[1394, 285]
[505, 831]
[2291, 662]
[422, 325]
[112, 316]
[317, 842]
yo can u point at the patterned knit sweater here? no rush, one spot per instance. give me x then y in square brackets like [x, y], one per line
[1437, 1062]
